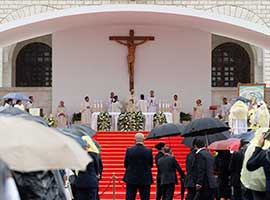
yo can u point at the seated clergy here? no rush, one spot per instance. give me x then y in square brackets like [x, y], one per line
[61, 114]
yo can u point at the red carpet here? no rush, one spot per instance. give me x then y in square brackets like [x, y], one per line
[114, 145]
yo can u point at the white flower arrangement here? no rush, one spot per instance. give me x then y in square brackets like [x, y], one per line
[104, 121]
[159, 118]
[131, 121]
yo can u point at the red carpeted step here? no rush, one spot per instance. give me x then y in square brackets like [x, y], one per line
[114, 146]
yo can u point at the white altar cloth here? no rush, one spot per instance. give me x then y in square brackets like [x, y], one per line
[148, 120]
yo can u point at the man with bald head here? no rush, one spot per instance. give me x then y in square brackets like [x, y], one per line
[138, 164]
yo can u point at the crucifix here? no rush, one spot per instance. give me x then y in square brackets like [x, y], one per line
[131, 44]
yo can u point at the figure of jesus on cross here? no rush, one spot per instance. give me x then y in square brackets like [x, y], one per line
[130, 42]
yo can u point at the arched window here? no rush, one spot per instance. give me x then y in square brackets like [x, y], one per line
[230, 65]
[34, 66]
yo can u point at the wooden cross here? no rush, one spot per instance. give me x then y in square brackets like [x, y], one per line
[130, 42]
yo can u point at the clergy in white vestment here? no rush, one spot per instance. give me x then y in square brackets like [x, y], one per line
[141, 104]
[131, 102]
[61, 113]
[19, 105]
[198, 110]
[238, 117]
[116, 105]
[175, 109]
[224, 110]
[86, 111]
[109, 103]
[152, 102]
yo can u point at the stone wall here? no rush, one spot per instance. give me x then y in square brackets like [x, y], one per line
[257, 11]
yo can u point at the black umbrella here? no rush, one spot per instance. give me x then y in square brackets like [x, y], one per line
[86, 129]
[165, 130]
[203, 127]
[188, 141]
[81, 133]
[12, 111]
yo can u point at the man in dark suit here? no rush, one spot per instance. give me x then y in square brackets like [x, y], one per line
[160, 154]
[138, 174]
[191, 174]
[205, 180]
[167, 166]
[235, 168]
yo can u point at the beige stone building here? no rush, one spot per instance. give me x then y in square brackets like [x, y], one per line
[26, 65]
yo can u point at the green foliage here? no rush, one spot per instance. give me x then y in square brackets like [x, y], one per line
[76, 117]
[185, 116]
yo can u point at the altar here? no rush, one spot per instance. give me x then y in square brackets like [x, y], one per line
[115, 115]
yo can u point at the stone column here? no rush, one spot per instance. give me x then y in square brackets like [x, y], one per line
[266, 67]
[1, 67]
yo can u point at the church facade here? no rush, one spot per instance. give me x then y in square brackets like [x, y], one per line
[38, 66]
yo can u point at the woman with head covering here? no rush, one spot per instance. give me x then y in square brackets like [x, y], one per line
[255, 180]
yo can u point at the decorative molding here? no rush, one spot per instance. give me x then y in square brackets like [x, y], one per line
[238, 12]
[27, 11]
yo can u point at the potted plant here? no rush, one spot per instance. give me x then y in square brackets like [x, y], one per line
[185, 118]
[76, 118]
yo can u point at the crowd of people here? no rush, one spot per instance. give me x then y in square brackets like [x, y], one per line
[224, 175]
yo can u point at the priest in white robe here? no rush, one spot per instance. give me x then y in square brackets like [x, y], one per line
[152, 102]
[131, 102]
[198, 110]
[141, 104]
[224, 110]
[86, 111]
[109, 103]
[116, 105]
[62, 117]
[175, 109]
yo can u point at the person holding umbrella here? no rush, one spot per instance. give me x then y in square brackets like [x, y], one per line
[205, 182]
[160, 147]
